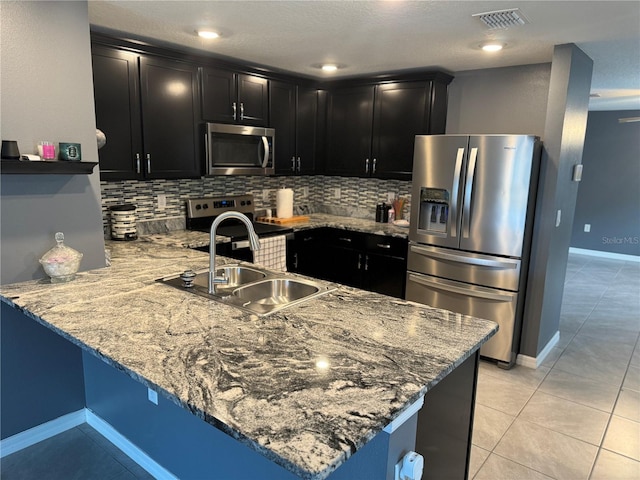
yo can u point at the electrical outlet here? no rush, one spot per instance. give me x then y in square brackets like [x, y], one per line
[265, 195]
[391, 197]
[305, 192]
[162, 201]
[336, 193]
[587, 227]
[152, 395]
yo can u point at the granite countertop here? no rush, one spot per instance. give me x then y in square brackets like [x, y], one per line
[192, 239]
[340, 367]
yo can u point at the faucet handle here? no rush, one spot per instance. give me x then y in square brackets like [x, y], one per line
[187, 277]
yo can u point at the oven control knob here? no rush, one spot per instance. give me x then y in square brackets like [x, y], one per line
[187, 277]
[205, 206]
[198, 206]
[248, 202]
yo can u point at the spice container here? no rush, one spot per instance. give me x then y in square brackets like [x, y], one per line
[61, 262]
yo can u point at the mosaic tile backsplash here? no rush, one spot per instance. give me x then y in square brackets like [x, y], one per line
[355, 197]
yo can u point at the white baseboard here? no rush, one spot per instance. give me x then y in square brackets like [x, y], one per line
[41, 432]
[535, 362]
[131, 450]
[52, 428]
[598, 253]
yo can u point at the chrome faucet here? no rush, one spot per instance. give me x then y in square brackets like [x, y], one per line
[254, 244]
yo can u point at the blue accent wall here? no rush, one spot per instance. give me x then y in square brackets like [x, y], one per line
[192, 449]
[41, 375]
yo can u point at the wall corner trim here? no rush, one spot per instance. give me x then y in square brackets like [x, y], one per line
[535, 362]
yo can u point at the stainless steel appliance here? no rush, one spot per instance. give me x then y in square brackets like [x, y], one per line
[473, 200]
[201, 212]
[239, 150]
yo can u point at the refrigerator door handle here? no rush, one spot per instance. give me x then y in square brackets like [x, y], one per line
[462, 291]
[468, 193]
[483, 262]
[454, 192]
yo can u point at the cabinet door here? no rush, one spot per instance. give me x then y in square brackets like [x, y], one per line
[306, 130]
[344, 262]
[349, 132]
[384, 274]
[401, 113]
[218, 95]
[117, 103]
[169, 112]
[283, 120]
[309, 256]
[253, 100]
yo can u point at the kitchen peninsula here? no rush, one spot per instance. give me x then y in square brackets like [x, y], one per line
[308, 388]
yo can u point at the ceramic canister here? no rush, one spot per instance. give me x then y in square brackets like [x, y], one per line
[123, 222]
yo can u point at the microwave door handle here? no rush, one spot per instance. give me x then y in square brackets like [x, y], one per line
[207, 154]
[265, 160]
[468, 193]
[454, 192]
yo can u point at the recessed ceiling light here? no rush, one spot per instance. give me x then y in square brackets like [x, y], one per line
[329, 67]
[209, 34]
[492, 46]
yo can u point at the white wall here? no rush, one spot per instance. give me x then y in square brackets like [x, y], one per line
[46, 87]
[510, 100]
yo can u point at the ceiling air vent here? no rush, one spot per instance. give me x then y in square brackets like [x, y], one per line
[502, 18]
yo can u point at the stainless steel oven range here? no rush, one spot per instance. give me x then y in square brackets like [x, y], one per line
[201, 212]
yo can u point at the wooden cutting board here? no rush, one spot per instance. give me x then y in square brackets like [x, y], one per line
[284, 221]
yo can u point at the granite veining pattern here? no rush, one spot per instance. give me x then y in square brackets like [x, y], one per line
[307, 386]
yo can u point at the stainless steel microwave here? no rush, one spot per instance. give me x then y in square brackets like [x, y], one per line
[239, 150]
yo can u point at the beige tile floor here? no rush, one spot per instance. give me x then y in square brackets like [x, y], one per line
[577, 416]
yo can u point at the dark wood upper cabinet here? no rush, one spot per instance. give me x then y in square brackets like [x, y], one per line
[372, 128]
[170, 115]
[116, 88]
[294, 116]
[230, 97]
[140, 97]
[349, 131]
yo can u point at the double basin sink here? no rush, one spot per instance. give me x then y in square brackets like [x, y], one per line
[250, 289]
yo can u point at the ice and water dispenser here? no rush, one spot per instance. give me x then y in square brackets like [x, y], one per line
[434, 210]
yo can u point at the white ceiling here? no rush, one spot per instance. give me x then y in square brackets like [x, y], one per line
[381, 36]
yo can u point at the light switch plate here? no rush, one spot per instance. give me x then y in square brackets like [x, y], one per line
[162, 201]
[152, 395]
[558, 217]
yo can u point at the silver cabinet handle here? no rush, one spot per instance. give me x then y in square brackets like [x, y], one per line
[241, 111]
[298, 164]
[235, 116]
[345, 239]
[366, 166]
[460, 290]
[366, 263]
[359, 260]
[295, 260]
[454, 192]
[207, 154]
[384, 245]
[481, 262]
[468, 192]
[137, 163]
[373, 170]
[293, 164]
[148, 163]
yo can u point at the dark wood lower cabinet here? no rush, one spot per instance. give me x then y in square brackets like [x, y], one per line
[445, 424]
[371, 262]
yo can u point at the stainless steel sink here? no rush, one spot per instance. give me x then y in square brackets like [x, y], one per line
[250, 289]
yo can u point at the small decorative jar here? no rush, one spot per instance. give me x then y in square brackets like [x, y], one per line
[61, 262]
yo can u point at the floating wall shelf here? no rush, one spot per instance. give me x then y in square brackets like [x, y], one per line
[55, 167]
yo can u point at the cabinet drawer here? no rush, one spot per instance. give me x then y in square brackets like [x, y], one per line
[336, 237]
[385, 245]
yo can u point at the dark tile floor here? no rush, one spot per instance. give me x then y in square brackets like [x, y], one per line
[575, 417]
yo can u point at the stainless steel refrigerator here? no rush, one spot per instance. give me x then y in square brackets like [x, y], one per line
[472, 208]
